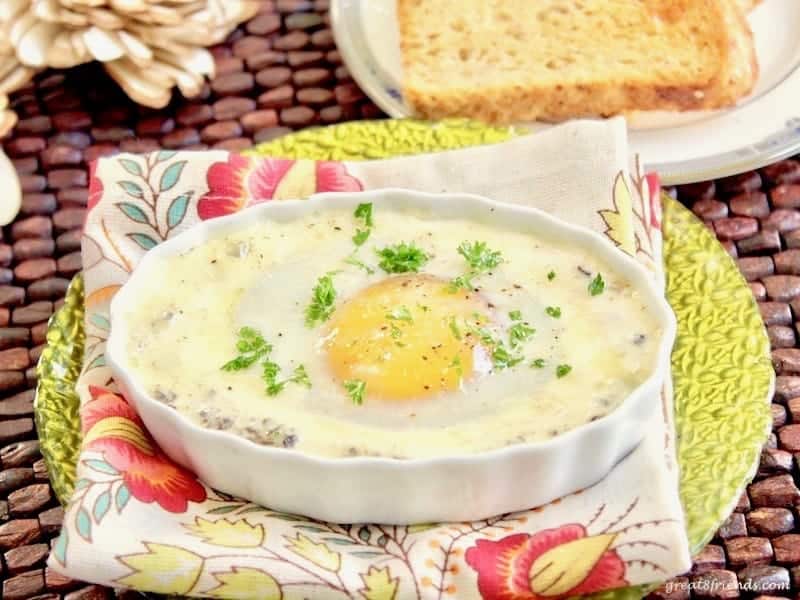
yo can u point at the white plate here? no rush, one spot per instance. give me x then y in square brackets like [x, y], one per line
[682, 147]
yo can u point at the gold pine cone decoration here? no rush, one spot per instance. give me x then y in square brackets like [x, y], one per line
[7, 118]
[147, 46]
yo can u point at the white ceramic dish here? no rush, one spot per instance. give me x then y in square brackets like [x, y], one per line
[681, 147]
[384, 490]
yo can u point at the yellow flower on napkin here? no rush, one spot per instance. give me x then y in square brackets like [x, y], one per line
[163, 569]
[243, 582]
[319, 554]
[379, 584]
[230, 534]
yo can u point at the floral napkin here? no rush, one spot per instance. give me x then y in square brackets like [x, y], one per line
[138, 520]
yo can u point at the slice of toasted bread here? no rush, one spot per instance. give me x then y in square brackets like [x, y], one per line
[521, 60]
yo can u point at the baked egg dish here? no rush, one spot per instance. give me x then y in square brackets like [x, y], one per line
[390, 332]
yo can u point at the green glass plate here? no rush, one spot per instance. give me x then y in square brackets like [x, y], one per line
[721, 365]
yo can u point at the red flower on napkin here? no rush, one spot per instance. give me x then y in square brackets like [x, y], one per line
[95, 190]
[654, 186]
[110, 425]
[241, 181]
[553, 563]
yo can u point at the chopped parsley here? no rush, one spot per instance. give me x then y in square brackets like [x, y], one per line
[518, 333]
[484, 335]
[275, 387]
[361, 236]
[454, 328]
[252, 347]
[562, 370]
[456, 364]
[480, 260]
[322, 298]
[352, 260]
[363, 212]
[461, 282]
[597, 285]
[400, 314]
[355, 389]
[479, 257]
[502, 359]
[553, 311]
[402, 258]
[551, 275]
[537, 364]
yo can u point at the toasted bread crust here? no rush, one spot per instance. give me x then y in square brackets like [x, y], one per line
[740, 72]
[504, 106]
[730, 73]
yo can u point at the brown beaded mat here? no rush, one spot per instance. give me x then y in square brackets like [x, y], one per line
[279, 72]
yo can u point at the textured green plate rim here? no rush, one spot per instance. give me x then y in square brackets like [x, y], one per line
[721, 365]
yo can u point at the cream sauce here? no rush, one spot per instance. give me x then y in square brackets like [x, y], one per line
[262, 276]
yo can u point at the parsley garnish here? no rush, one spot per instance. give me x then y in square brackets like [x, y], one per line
[361, 236]
[485, 335]
[538, 363]
[275, 387]
[597, 285]
[322, 298]
[364, 212]
[551, 275]
[355, 389]
[461, 282]
[456, 364]
[518, 333]
[402, 258]
[400, 314]
[553, 311]
[562, 370]
[454, 328]
[480, 260]
[352, 260]
[502, 359]
[479, 257]
[252, 347]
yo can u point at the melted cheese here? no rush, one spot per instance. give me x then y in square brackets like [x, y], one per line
[262, 277]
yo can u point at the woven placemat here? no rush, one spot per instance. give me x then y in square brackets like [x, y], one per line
[280, 72]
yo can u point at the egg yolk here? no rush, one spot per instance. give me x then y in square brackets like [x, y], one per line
[405, 338]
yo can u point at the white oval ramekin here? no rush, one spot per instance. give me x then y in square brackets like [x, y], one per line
[385, 490]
